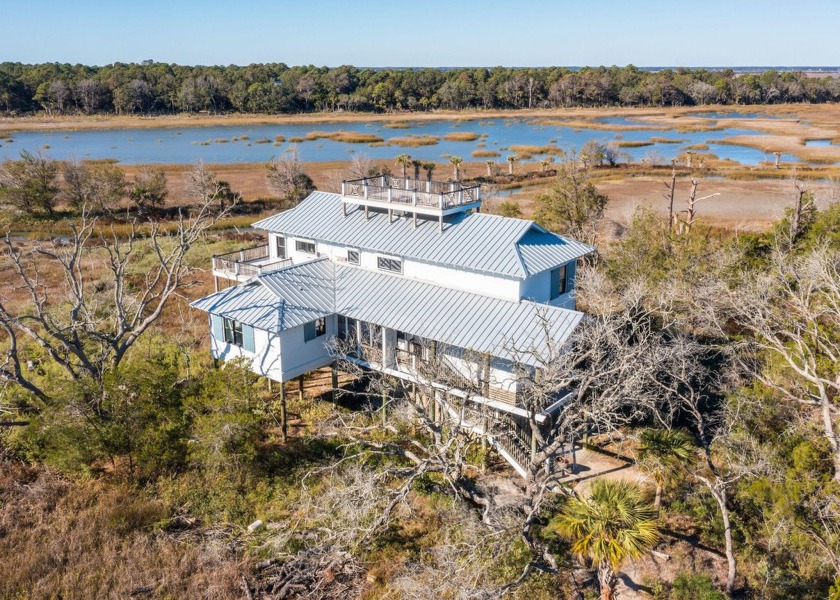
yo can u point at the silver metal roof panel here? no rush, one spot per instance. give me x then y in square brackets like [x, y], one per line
[473, 241]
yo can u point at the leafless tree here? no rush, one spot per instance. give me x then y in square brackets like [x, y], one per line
[601, 380]
[688, 216]
[87, 323]
[360, 166]
[688, 391]
[202, 184]
[803, 204]
[791, 314]
[286, 178]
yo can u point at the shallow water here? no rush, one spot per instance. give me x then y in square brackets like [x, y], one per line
[818, 142]
[214, 144]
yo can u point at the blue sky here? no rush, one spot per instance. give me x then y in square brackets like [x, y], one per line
[427, 33]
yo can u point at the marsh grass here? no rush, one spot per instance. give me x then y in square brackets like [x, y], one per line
[634, 144]
[347, 137]
[461, 136]
[414, 141]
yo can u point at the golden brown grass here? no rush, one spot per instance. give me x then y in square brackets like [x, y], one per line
[485, 153]
[414, 141]
[348, 137]
[663, 140]
[461, 136]
[524, 151]
[634, 144]
[788, 144]
[96, 540]
[396, 126]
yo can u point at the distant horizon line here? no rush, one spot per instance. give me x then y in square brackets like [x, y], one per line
[452, 67]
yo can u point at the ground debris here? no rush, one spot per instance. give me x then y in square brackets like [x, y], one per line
[324, 572]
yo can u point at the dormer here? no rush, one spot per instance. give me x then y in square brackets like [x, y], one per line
[436, 199]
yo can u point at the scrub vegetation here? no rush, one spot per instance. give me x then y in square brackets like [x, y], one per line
[130, 465]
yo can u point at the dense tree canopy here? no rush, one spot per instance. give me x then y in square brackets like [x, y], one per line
[151, 87]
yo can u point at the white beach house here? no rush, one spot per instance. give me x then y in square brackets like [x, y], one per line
[398, 268]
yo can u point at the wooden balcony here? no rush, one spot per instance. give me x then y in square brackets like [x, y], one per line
[243, 265]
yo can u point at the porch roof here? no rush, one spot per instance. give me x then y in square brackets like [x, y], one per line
[518, 331]
[278, 300]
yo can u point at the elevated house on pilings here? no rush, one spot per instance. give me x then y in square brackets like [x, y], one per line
[413, 281]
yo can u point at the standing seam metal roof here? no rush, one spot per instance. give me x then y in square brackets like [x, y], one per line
[474, 241]
[279, 300]
[516, 331]
[502, 328]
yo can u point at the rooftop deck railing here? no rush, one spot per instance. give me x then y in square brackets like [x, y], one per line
[412, 192]
[249, 262]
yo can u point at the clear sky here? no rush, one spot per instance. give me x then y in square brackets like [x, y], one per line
[426, 33]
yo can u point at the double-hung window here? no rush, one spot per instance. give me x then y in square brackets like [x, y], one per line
[281, 246]
[233, 332]
[384, 263]
[305, 246]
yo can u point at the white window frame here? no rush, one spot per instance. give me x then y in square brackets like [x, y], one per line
[300, 242]
[358, 256]
[391, 260]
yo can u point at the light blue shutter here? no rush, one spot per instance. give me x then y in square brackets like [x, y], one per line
[217, 327]
[309, 331]
[248, 338]
[555, 284]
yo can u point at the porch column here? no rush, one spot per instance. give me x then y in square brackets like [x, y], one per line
[334, 382]
[283, 416]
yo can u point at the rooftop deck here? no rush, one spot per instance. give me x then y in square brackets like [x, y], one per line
[424, 197]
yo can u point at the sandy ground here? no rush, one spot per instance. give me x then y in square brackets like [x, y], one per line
[741, 205]
[679, 549]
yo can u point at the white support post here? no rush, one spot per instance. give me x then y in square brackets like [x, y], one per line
[343, 188]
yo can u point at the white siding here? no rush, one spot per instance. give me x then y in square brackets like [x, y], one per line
[265, 360]
[280, 356]
[300, 356]
[460, 279]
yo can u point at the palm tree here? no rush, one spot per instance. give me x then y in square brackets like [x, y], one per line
[404, 160]
[416, 164]
[456, 165]
[490, 165]
[545, 162]
[511, 159]
[660, 452]
[429, 167]
[612, 525]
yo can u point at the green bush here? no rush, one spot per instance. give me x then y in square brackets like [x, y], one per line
[695, 586]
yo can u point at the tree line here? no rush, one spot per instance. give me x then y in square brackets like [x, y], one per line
[158, 88]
